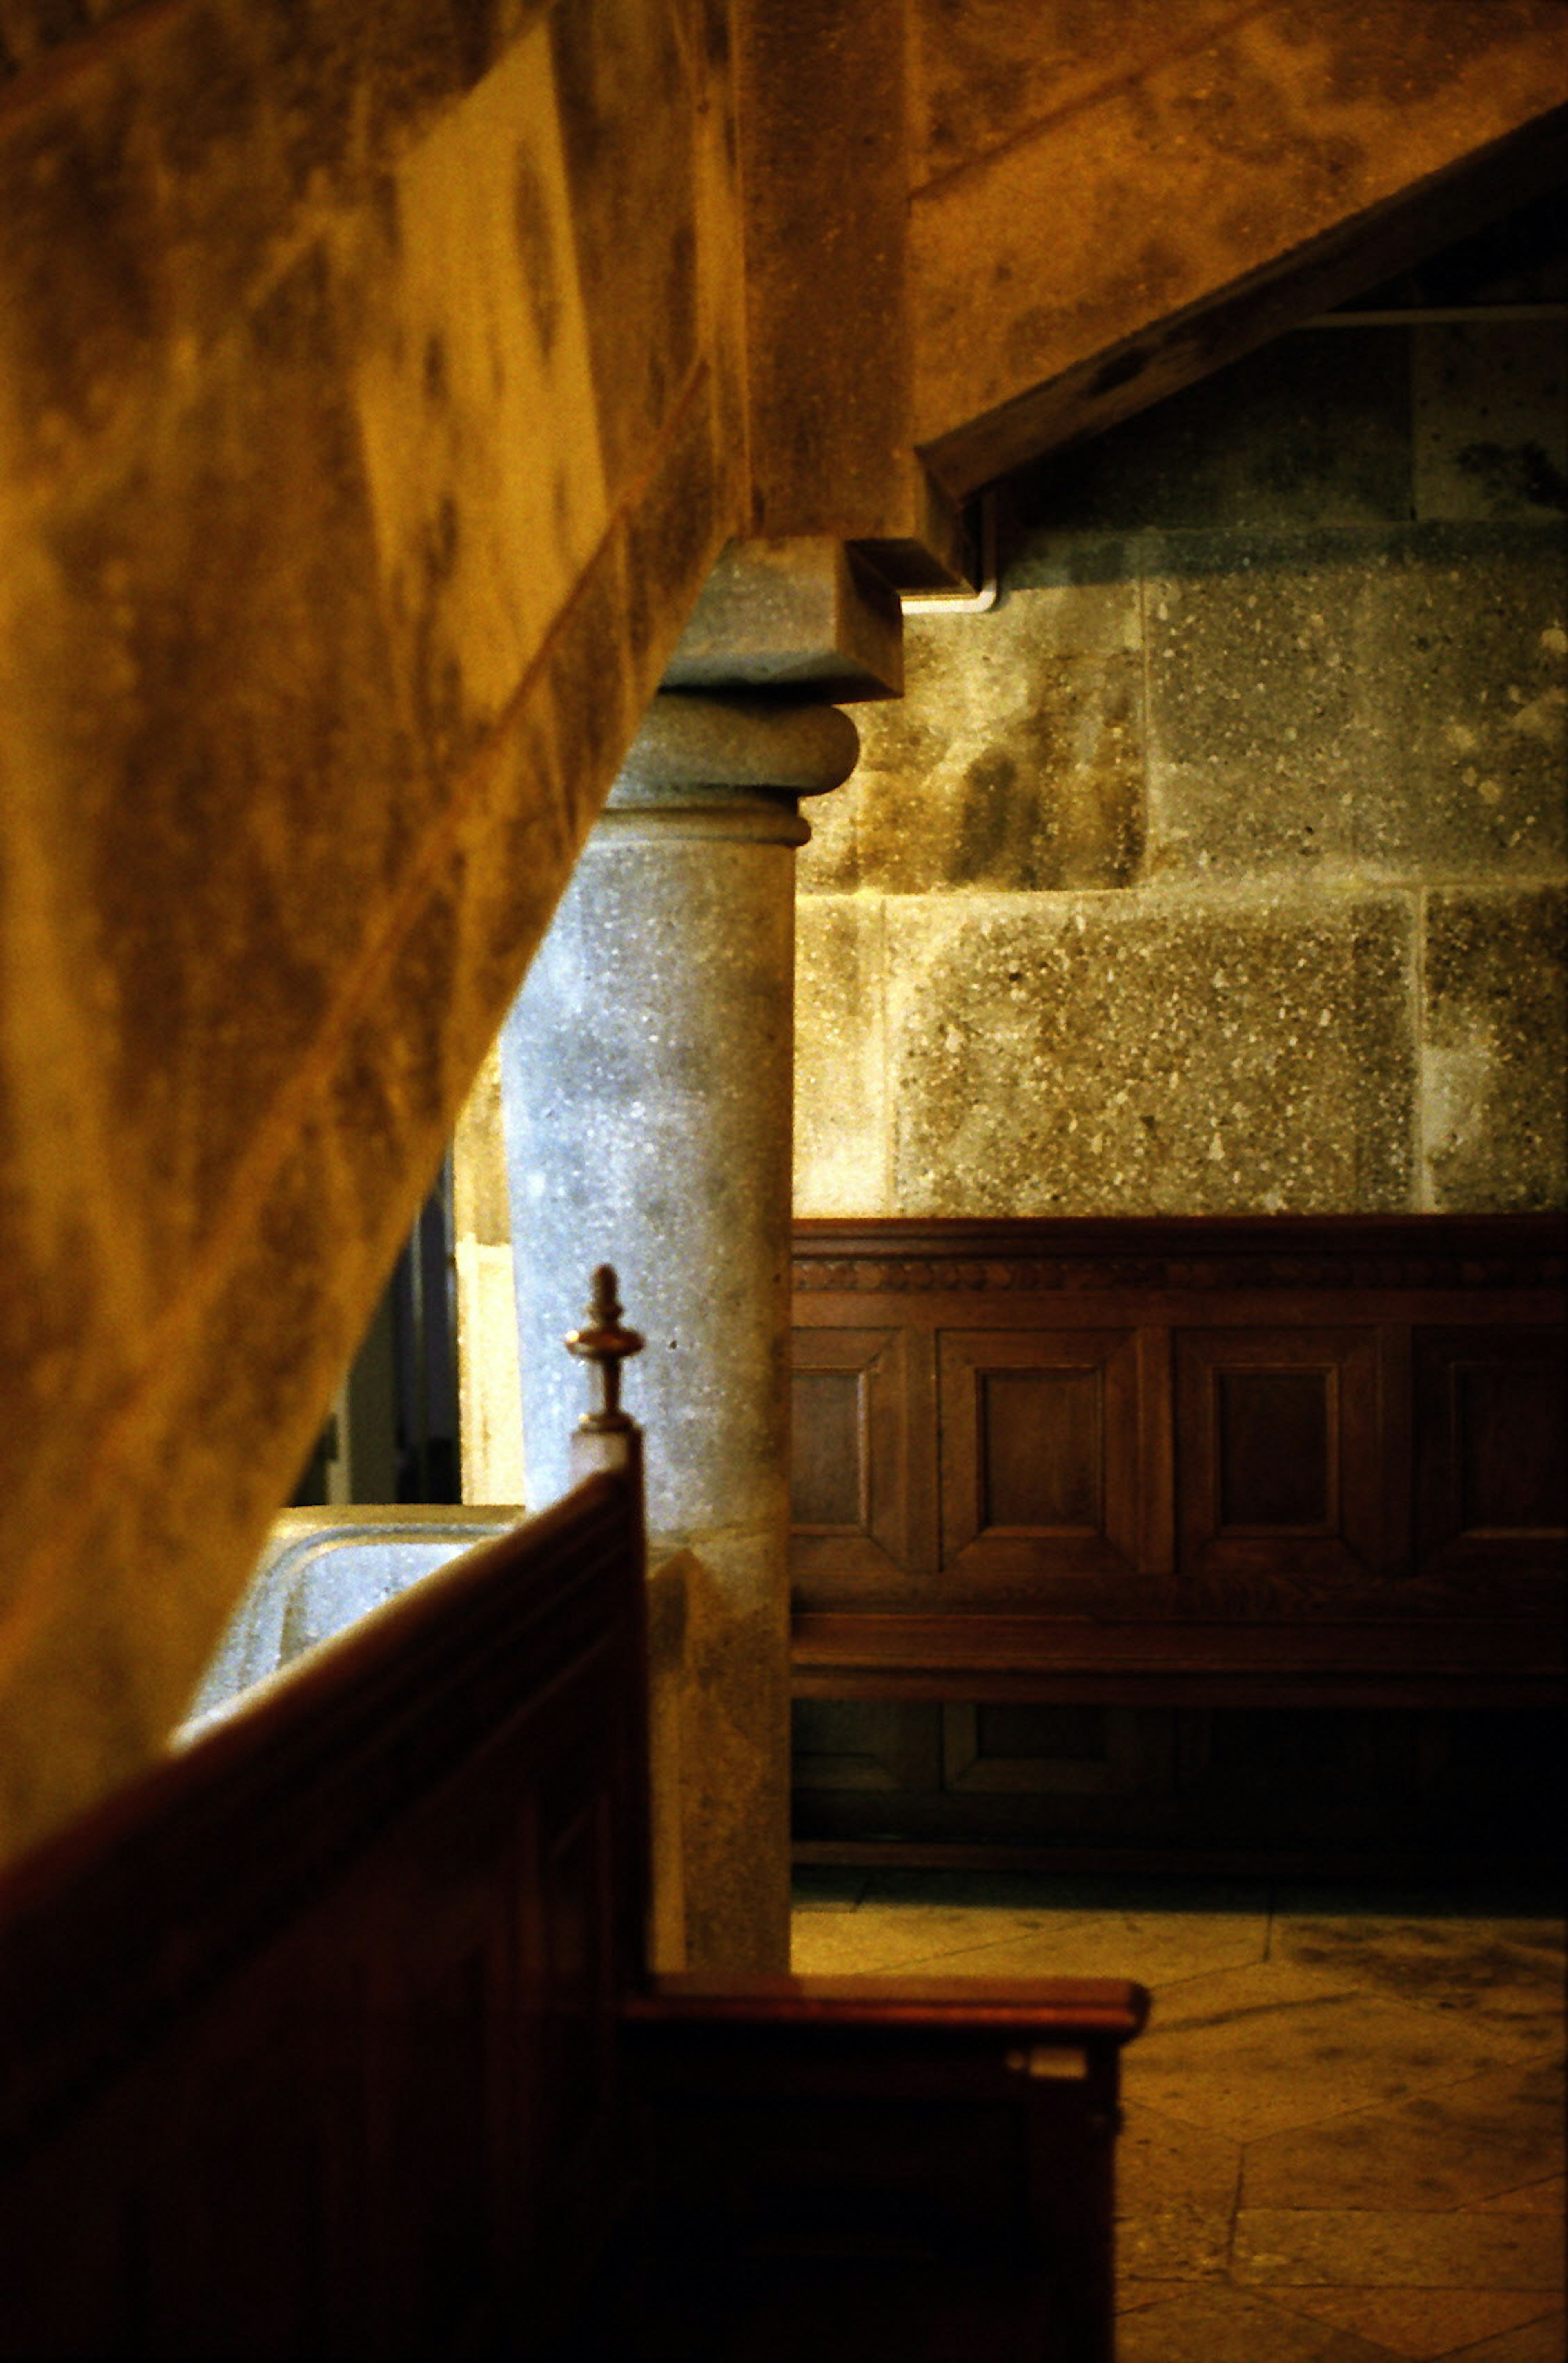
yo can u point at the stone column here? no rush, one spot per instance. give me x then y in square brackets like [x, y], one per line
[647, 1072]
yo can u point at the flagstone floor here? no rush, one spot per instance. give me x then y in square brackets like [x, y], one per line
[1343, 2136]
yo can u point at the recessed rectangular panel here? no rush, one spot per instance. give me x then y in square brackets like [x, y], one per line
[864, 1745]
[439, 2109]
[1512, 1425]
[1064, 1751]
[1274, 1431]
[857, 1490]
[1039, 1454]
[1491, 1464]
[828, 1474]
[1041, 1451]
[1280, 1448]
[1064, 1734]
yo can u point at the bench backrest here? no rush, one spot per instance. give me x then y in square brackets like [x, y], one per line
[310, 2036]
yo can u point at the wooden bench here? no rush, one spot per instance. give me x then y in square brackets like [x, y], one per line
[1260, 1461]
[333, 2035]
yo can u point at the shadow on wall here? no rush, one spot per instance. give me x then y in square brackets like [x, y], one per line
[392, 1435]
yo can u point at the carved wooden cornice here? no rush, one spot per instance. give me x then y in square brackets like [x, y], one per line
[1200, 1253]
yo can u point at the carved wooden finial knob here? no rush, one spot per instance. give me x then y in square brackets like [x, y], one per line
[605, 1342]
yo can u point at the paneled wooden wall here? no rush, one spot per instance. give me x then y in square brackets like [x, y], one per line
[311, 2035]
[1050, 1474]
[1301, 1420]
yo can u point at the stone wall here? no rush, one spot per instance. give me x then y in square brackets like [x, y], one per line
[1219, 867]
[371, 411]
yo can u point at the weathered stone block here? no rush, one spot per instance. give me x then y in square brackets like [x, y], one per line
[1013, 761]
[841, 1067]
[831, 861]
[827, 282]
[982, 75]
[1490, 419]
[1102, 571]
[1094, 261]
[1384, 708]
[1314, 429]
[1492, 1051]
[452, 370]
[1079, 1055]
[617, 62]
[324, 627]
[1254, 700]
[802, 614]
[1463, 659]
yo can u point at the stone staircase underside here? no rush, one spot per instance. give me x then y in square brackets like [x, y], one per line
[377, 388]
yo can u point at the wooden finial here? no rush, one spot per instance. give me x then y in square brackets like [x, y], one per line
[603, 1340]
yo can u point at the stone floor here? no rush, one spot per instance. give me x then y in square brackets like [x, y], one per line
[1344, 2125]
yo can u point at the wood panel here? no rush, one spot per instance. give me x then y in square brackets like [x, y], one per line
[958, 2131]
[333, 2036]
[879, 1747]
[1222, 1661]
[1278, 1451]
[1078, 1749]
[1038, 1453]
[1492, 1459]
[1348, 1426]
[859, 1506]
[311, 2033]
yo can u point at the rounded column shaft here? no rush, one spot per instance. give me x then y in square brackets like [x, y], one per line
[647, 1068]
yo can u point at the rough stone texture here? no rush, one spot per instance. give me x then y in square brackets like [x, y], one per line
[841, 1138]
[1108, 282]
[1314, 429]
[1491, 416]
[647, 1068]
[1490, 2139]
[801, 613]
[646, 1071]
[1389, 704]
[1495, 1050]
[822, 82]
[350, 505]
[1312, 2166]
[319, 1574]
[690, 745]
[985, 76]
[1341, 720]
[1466, 629]
[1013, 761]
[374, 402]
[1077, 1053]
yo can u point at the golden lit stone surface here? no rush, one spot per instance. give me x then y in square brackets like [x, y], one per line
[1493, 1052]
[345, 541]
[1144, 193]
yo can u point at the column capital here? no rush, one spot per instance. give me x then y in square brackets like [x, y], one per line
[710, 765]
[803, 615]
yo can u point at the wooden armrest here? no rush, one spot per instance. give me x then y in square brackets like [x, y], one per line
[1035, 2009]
[873, 2169]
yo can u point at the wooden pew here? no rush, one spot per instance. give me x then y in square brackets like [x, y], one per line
[1240, 1462]
[332, 2037]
